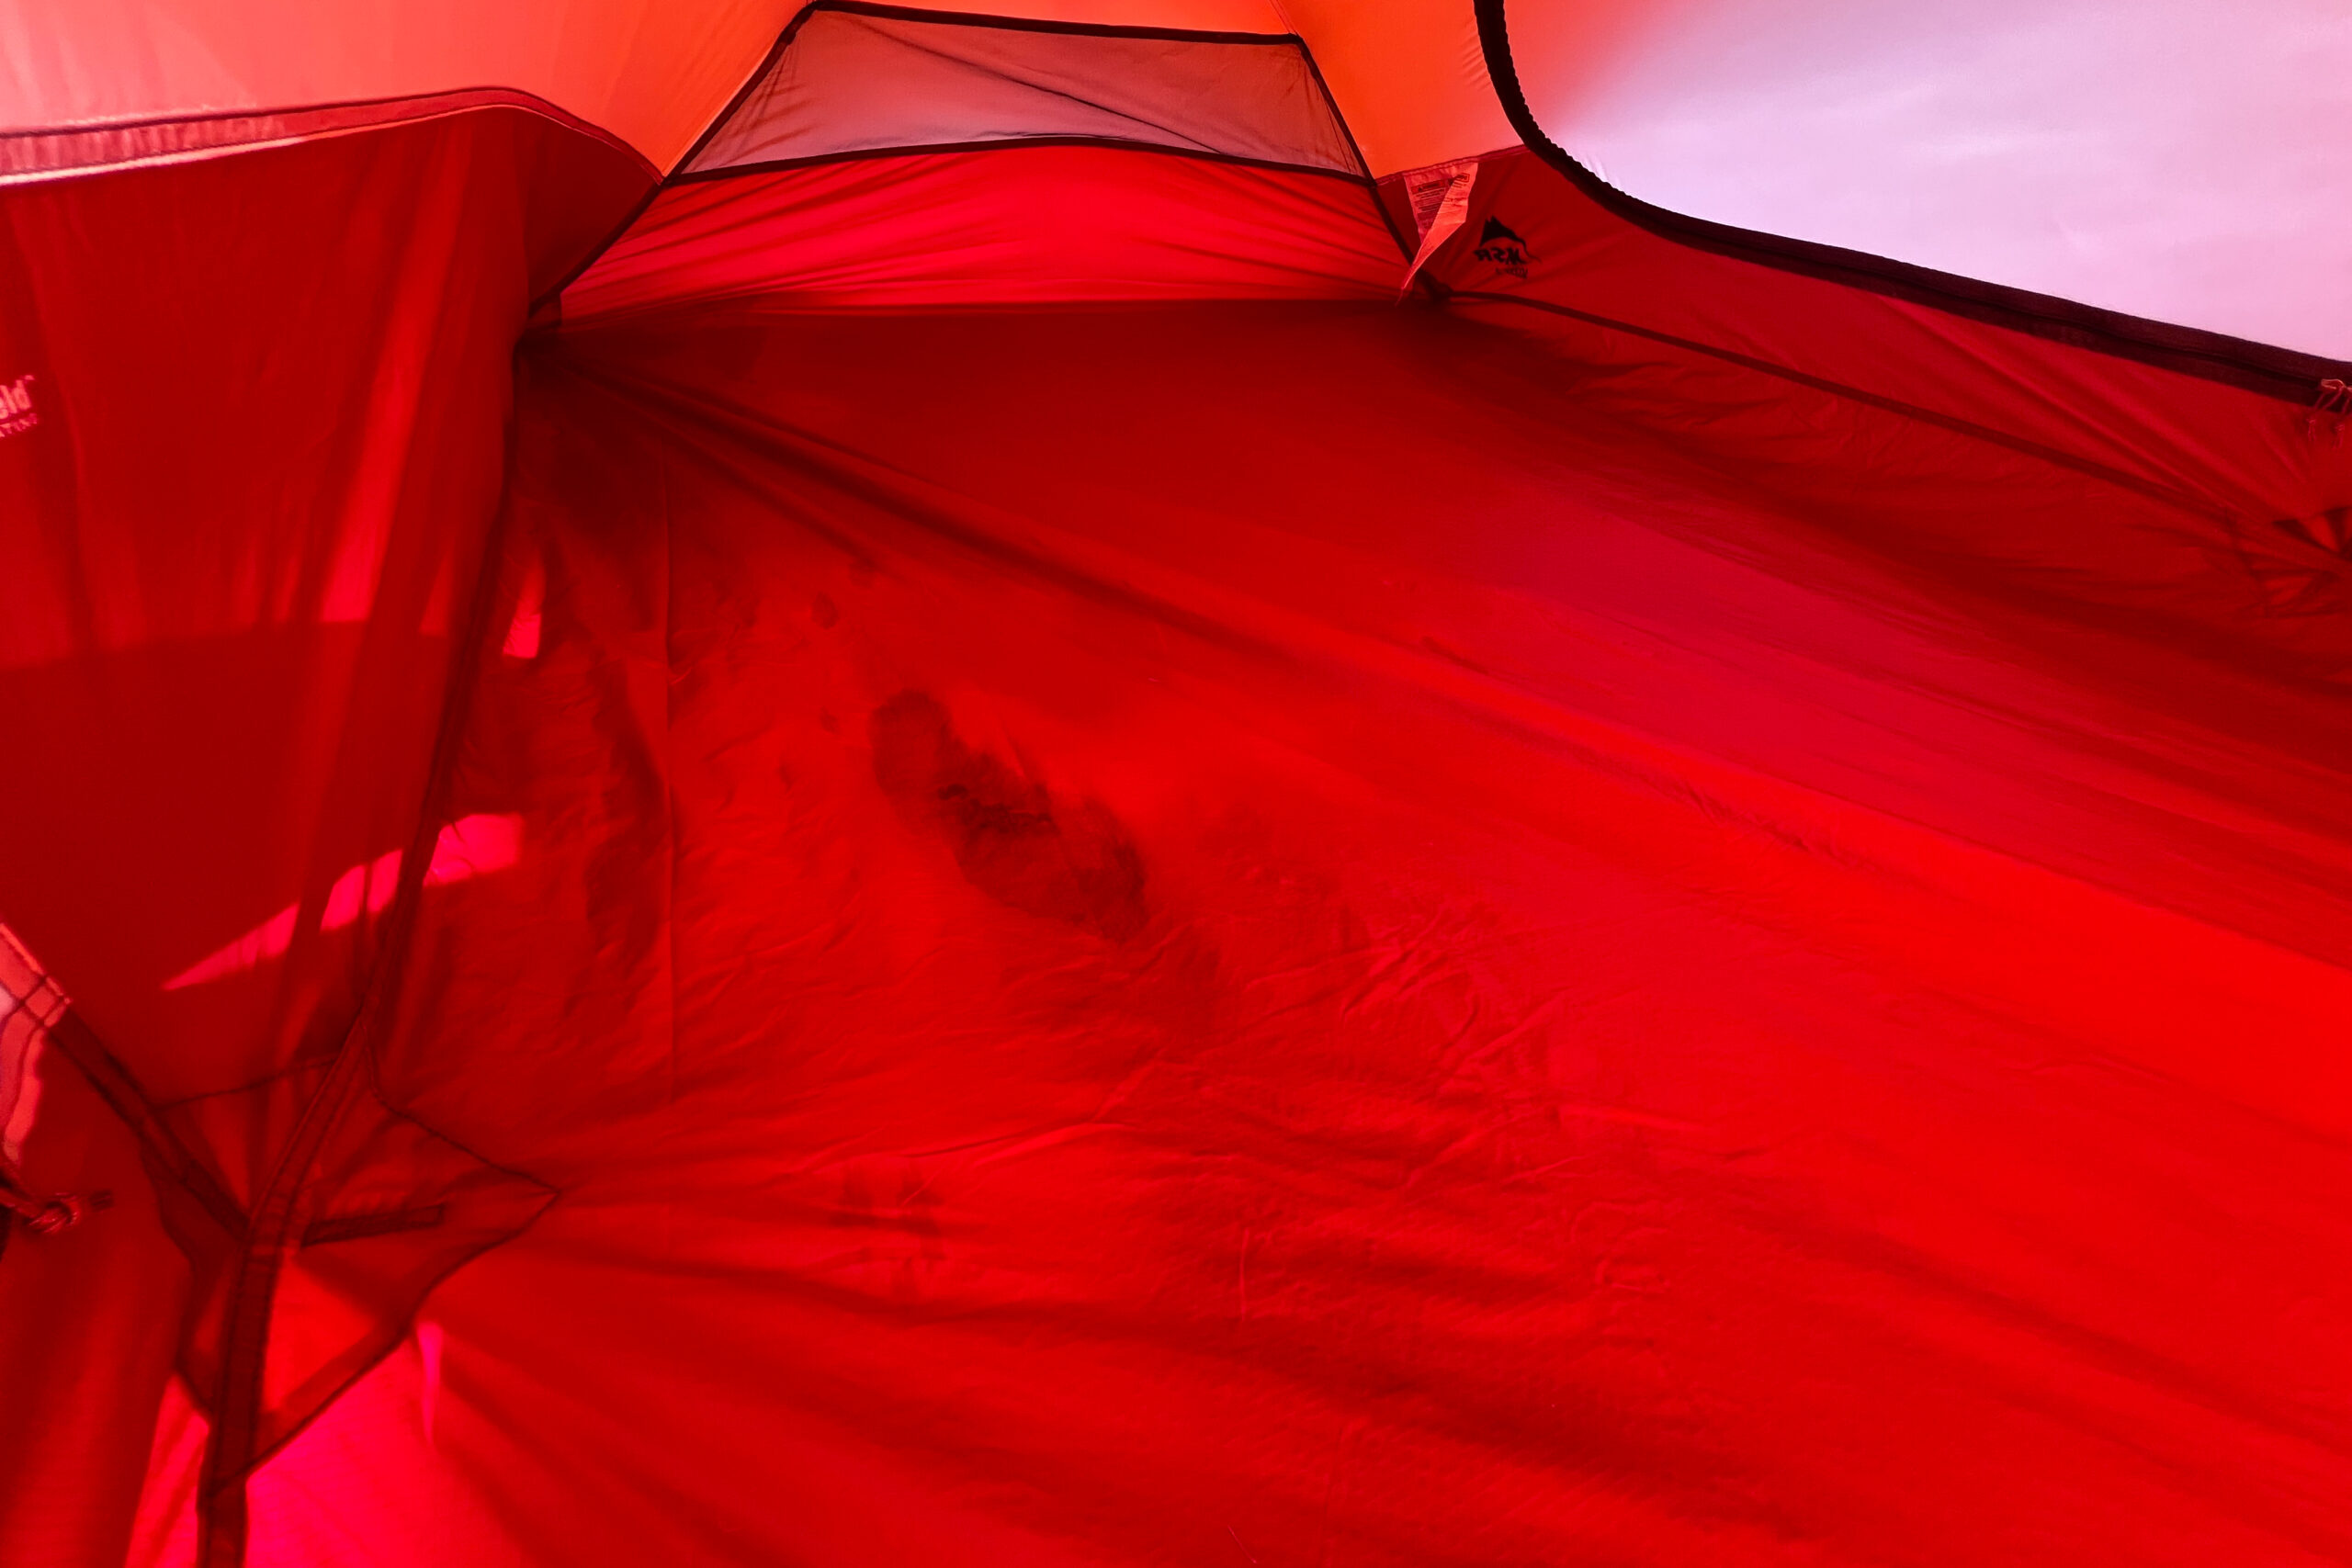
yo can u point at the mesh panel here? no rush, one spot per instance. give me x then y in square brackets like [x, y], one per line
[852, 80]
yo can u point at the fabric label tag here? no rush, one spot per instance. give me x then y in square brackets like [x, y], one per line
[1441, 200]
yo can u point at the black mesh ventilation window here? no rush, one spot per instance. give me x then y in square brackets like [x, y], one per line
[850, 79]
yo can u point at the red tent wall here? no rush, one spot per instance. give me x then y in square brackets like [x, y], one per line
[2180, 479]
[241, 525]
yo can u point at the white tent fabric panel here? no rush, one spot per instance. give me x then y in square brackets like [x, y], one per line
[2182, 159]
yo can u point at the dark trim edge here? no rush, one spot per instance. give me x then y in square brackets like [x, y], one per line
[2283, 373]
[1003, 143]
[1042, 24]
[359, 1227]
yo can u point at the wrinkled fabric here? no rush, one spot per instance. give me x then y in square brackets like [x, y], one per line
[1013, 225]
[242, 510]
[989, 855]
[1751, 344]
[1346, 956]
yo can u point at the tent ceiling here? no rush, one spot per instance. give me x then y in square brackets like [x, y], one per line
[2171, 158]
[655, 72]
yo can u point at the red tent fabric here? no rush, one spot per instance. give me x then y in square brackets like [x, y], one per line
[1119, 788]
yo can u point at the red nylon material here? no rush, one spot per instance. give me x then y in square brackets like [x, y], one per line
[242, 520]
[2231, 451]
[1008, 225]
[271, 392]
[1288, 931]
[91, 1326]
[1343, 956]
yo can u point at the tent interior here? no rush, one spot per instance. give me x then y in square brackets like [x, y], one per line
[1112, 784]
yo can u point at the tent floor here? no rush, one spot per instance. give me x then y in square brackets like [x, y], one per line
[1164, 930]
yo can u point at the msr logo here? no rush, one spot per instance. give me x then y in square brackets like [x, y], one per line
[16, 412]
[1498, 246]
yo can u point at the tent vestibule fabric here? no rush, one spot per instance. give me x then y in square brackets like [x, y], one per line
[1112, 785]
